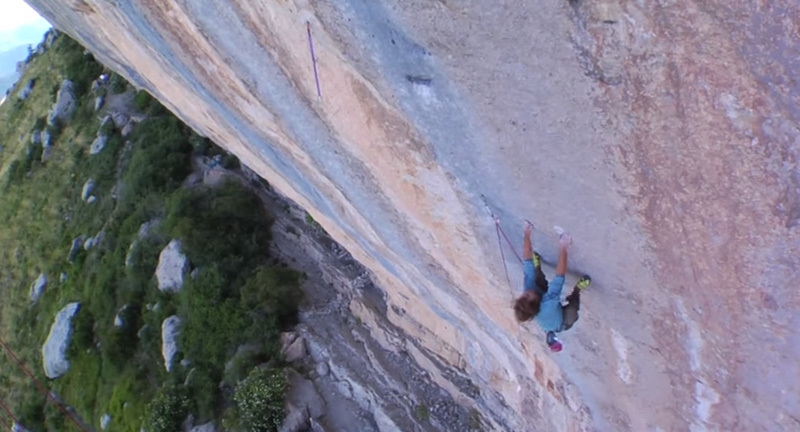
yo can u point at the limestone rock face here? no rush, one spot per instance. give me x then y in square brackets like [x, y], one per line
[662, 135]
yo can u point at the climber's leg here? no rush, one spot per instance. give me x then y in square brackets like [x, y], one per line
[574, 302]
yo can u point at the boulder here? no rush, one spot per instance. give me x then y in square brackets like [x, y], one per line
[120, 317]
[88, 244]
[65, 104]
[170, 329]
[208, 427]
[172, 267]
[62, 278]
[51, 37]
[87, 189]
[91, 199]
[119, 119]
[303, 403]
[98, 144]
[98, 103]
[104, 421]
[24, 92]
[16, 427]
[95, 86]
[128, 129]
[322, 369]
[37, 287]
[47, 139]
[296, 350]
[54, 351]
[36, 137]
[77, 242]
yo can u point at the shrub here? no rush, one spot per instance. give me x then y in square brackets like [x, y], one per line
[82, 332]
[225, 226]
[142, 100]
[79, 68]
[117, 83]
[167, 411]
[274, 290]
[160, 163]
[213, 324]
[39, 124]
[230, 161]
[260, 398]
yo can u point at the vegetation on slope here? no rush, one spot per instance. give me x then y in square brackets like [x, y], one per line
[238, 295]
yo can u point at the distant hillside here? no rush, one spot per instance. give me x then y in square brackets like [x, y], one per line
[25, 35]
[8, 65]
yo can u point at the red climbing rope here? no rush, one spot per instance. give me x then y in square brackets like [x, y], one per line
[40, 386]
[10, 414]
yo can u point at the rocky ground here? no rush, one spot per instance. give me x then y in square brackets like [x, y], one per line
[355, 371]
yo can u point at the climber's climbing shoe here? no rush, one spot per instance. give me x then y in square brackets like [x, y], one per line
[584, 282]
[537, 260]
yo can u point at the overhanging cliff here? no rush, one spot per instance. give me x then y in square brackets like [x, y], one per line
[663, 135]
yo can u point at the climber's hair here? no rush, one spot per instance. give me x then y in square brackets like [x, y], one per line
[527, 306]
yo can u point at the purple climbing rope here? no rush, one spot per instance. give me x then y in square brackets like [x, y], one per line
[313, 58]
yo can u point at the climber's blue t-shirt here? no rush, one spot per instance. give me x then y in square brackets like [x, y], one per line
[551, 314]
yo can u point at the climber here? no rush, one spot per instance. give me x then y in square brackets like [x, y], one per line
[541, 299]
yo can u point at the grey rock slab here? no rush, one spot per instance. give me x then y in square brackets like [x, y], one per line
[87, 189]
[296, 350]
[54, 351]
[303, 393]
[98, 144]
[47, 139]
[37, 287]
[65, 104]
[128, 129]
[91, 199]
[105, 420]
[120, 119]
[322, 369]
[77, 242]
[98, 103]
[207, 427]
[172, 267]
[170, 329]
[16, 427]
[24, 92]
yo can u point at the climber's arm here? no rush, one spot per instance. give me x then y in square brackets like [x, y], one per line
[561, 268]
[527, 247]
[564, 241]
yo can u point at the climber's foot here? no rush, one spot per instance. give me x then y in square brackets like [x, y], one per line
[583, 282]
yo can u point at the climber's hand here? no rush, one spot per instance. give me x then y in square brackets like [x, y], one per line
[564, 240]
[528, 228]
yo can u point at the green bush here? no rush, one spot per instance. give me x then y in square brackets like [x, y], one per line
[79, 68]
[39, 124]
[213, 323]
[274, 290]
[260, 398]
[225, 226]
[82, 332]
[160, 163]
[117, 83]
[230, 161]
[167, 411]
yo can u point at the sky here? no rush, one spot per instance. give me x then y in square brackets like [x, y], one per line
[20, 25]
[17, 13]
